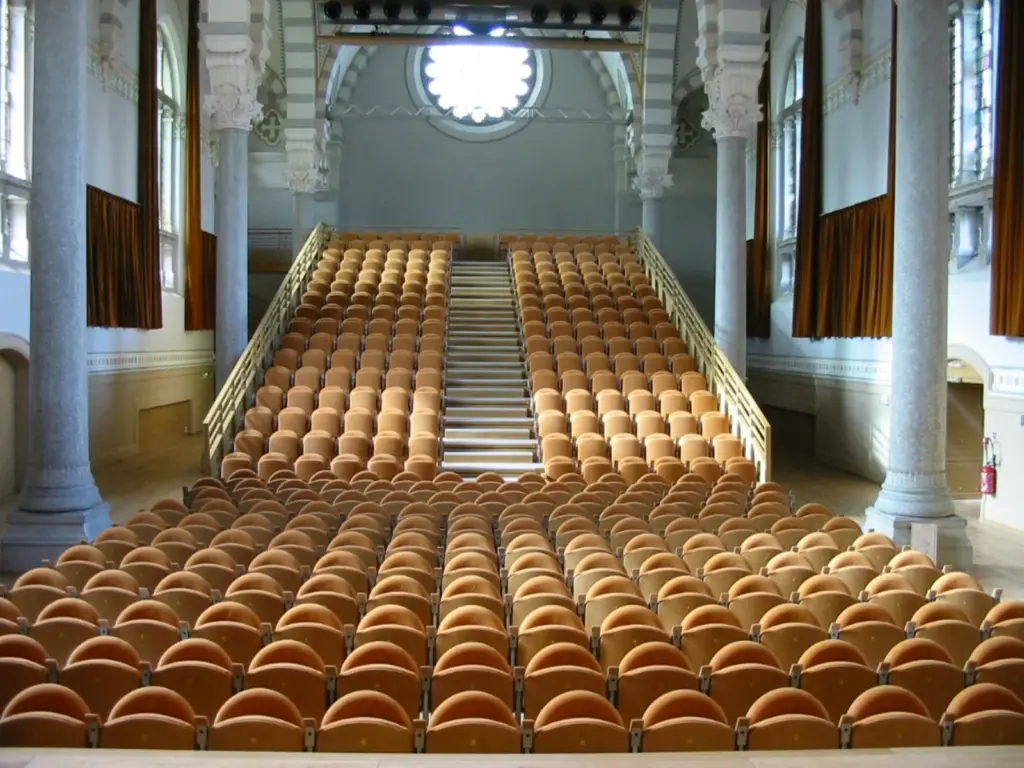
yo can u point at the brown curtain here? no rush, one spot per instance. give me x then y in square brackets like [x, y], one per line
[1008, 205]
[111, 255]
[853, 269]
[807, 277]
[209, 272]
[145, 272]
[759, 278]
[199, 314]
[844, 277]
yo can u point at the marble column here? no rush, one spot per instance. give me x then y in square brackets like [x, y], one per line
[302, 221]
[652, 180]
[731, 252]
[652, 204]
[232, 211]
[915, 489]
[60, 504]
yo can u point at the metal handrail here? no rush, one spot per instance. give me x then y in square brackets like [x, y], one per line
[224, 417]
[747, 419]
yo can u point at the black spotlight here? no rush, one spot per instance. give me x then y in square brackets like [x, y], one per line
[392, 9]
[568, 13]
[539, 13]
[626, 14]
[598, 13]
[421, 10]
[332, 10]
[361, 9]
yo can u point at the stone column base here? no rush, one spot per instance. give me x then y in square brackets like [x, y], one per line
[32, 537]
[955, 547]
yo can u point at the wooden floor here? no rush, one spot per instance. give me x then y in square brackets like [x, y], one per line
[945, 757]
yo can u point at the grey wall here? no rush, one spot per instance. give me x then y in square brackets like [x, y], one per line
[405, 173]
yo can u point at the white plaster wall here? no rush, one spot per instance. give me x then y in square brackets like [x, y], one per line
[548, 176]
[8, 415]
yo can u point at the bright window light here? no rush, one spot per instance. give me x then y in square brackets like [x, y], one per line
[478, 83]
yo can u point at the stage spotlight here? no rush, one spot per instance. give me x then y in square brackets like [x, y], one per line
[539, 13]
[332, 10]
[568, 13]
[598, 13]
[361, 9]
[421, 10]
[626, 14]
[392, 10]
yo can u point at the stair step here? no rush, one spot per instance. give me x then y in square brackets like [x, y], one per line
[469, 415]
[486, 356]
[490, 457]
[484, 404]
[480, 433]
[484, 444]
[470, 470]
[479, 383]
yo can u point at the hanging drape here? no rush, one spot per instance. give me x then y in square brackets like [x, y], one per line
[111, 255]
[1008, 206]
[209, 272]
[844, 277]
[805, 293]
[759, 278]
[199, 314]
[146, 267]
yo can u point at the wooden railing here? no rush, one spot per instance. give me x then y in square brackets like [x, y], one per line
[748, 422]
[225, 415]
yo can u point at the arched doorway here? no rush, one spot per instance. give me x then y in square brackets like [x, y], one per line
[13, 413]
[965, 424]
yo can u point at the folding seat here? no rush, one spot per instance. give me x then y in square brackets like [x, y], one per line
[46, 716]
[854, 569]
[152, 718]
[690, 382]
[887, 716]
[624, 628]
[949, 626]
[473, 666]
[985, 714]
[23, 664]
[294, 669]
[877, 547]
[1000, 660]
[579, 721]
[473, 722]
[259, 593]
[959, 589]
[739, 673]
[102, 670]
[186, 593]
[258, 719]
[79, 563]
[10, 620]
[557, 668]
[366, 721]
[394, 623]
[916, 567]
[871, 629]
[788, 719]
[896, 594]
[647, 672]
[384, 667]
[115, 543]
[826, 596]
[691, 446]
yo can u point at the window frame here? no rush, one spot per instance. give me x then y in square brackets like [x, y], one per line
[17, 46]
[972, 90]
[170, 130]
[790, 119]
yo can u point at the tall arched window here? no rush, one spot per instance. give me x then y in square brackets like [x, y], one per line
[16, 44]
[168, 95]
[973, 50]
[789, 146]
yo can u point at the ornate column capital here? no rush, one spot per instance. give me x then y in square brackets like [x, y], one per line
[233, 103]
[733, 109]
[652, 174]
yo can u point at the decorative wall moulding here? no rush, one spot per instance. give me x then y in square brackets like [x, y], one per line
[1007, 382]
[116, 362]
[869, 371]
[845, 90]
[125, 83]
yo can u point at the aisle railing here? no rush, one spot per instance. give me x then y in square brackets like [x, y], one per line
[225, 415]
[748, 422]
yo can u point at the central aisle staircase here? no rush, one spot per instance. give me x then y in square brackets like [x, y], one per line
[487, 424]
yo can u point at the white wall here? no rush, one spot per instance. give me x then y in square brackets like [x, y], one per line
[548, 176]
[844, 383]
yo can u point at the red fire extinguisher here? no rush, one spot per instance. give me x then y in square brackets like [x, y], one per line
[988, 469]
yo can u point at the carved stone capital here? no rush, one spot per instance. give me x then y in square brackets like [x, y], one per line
[652, 174]
[233, 81]
[733, 109]
[306, 170]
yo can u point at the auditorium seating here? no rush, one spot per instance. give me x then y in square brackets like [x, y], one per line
[496, 616]
[336, 590]
[356, 381]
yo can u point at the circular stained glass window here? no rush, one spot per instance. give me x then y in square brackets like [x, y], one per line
[479, 83]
